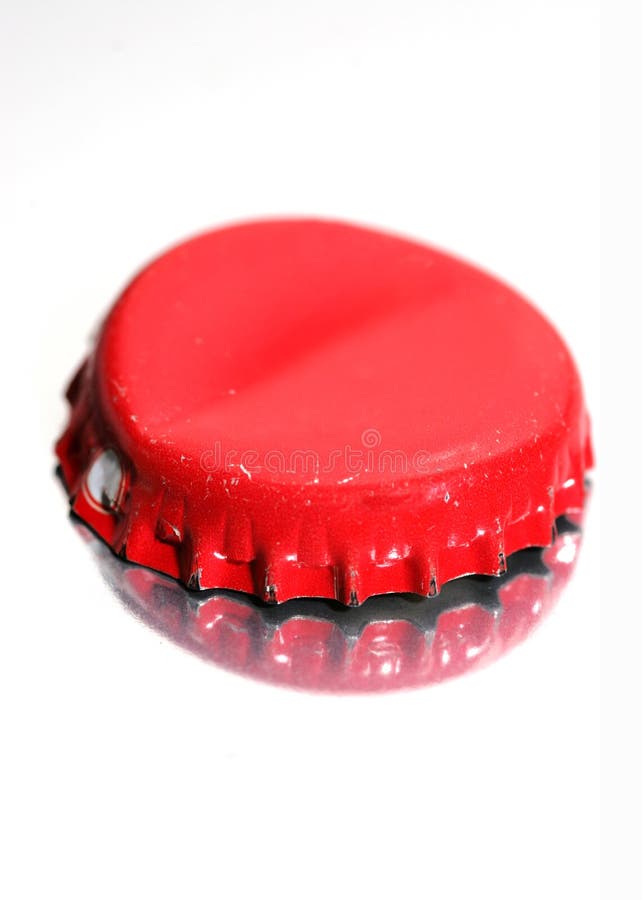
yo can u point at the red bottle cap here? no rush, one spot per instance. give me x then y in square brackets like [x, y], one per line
[305, 408]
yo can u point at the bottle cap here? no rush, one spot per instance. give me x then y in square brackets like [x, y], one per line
[300, 408]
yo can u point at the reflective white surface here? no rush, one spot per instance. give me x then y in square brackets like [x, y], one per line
[131, 768]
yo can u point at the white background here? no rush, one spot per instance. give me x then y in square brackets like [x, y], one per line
[131, 768]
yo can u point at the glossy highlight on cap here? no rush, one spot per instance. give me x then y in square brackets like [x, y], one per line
[302, 408]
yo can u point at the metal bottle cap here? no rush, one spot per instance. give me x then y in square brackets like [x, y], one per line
[306, 408]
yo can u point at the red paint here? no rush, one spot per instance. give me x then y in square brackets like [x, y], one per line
[305, 408]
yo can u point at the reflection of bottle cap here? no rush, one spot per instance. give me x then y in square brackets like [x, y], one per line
[393, 641]
[301, 408]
